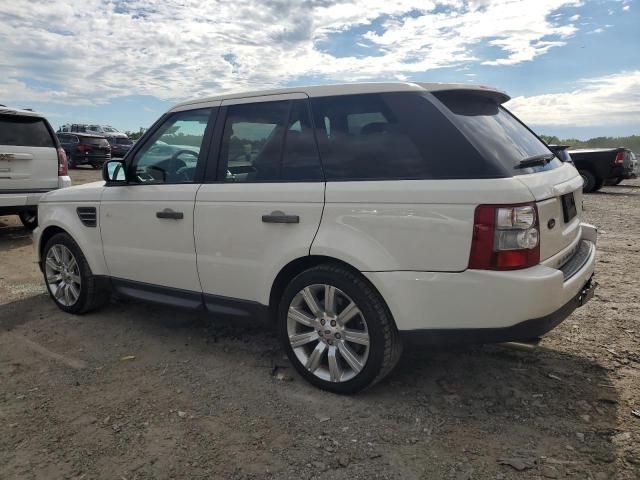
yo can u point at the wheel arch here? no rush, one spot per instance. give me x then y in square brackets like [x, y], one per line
[297, 266]
[45, 236]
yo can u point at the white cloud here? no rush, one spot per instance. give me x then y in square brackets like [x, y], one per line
[608, 100]
[173, 49]
[574, 18]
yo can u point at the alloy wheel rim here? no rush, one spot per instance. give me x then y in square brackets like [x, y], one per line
[328, 333]
[62, 274]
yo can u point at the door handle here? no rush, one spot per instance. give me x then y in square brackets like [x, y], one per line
[168, 213]
[280, 217]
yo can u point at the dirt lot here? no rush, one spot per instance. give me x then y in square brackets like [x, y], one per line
[138, 391]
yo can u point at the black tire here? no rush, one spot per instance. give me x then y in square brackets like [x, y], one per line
[71, 163]
[29, 219]
[385, 346]
[91, 296]
[589, 181]
[599, 184]
[617, 181]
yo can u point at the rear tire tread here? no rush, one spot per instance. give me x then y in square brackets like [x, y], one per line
[392, 346]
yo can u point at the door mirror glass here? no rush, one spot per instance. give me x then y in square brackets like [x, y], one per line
[113, 171]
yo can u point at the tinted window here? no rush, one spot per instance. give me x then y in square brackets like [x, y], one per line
[268, 142]
[392, 136]
[172, 153]
[24, 131]
[95, 141]
[495, 131]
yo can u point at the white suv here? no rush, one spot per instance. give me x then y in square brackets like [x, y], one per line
[31, 163]
[356, 217]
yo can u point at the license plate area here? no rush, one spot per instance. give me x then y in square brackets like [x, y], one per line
[569, 210]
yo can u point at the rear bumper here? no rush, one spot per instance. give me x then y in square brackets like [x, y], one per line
[16, 201]
[503, 304]
[529, 329]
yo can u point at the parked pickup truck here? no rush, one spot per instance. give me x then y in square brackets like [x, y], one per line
[597, 165]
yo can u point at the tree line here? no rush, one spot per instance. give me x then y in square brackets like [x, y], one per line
[631, 142]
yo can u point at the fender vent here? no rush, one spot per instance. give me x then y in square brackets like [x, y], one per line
[88, 216]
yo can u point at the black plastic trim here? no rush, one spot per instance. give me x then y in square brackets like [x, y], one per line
[88, 216]
[526, 330]
[158, 294]
[175, 297]
[30, 190]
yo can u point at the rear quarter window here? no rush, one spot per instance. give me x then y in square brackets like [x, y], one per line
[500, 137]
[25, 131]
[392, 136]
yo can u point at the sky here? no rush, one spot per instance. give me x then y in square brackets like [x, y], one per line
[571, 67]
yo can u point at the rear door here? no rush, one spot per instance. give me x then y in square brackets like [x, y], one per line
[262, 205]
[28, 157]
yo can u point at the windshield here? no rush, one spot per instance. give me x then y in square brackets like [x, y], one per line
[110, 130]
[495, 131]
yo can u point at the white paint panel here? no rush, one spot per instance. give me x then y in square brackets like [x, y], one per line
[421, 225]
[141, 247]
[239, 255]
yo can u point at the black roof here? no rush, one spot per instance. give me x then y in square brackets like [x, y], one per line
[81, 134]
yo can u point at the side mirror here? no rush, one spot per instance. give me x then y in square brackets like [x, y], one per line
[113, 172]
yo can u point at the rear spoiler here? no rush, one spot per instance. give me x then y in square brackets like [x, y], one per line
[491, 92]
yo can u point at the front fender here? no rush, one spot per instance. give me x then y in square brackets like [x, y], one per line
[65, 216]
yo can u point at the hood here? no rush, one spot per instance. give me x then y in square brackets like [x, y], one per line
[87, 192]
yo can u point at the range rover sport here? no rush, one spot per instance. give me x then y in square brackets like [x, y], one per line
[356, 217]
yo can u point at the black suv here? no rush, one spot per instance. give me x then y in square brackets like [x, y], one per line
[119, 145]
[85, 149]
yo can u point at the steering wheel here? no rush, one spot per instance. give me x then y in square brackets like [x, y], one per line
[175, 156]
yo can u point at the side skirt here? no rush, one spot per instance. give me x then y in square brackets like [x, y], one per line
[175, 297]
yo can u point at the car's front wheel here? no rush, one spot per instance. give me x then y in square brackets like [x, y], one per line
[68, 277]
[337, 330]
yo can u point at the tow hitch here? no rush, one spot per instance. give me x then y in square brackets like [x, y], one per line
[587, 292]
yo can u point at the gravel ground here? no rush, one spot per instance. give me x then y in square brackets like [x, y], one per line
[139, 391]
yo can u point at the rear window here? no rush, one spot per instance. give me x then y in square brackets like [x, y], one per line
[122, 141]
[98, 142]
[393, 136]
[495, 132]
[25, 131]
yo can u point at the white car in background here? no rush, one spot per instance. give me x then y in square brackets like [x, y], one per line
[356, 217]
[31, 163]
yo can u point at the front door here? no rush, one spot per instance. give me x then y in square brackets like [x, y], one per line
[263, 207]
[147, 224]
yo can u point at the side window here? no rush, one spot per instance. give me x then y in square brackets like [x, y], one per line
[172, 153]
[269, 142]
[363, 138]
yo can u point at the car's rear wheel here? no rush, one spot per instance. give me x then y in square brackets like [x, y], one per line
[29, 219]
[71, 163]
[337, 330]
[589, 181]
[68, 277]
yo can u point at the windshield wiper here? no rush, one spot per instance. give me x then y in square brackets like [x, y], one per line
[535, 160]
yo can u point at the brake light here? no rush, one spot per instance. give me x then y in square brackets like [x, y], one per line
[63, 168]
[505, 237]
[619, 158]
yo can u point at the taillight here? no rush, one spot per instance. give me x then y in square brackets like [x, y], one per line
[505, 237]
[63, 168]
[619, 158]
